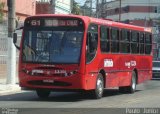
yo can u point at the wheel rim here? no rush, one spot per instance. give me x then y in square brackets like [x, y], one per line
[99, 86]
[133, 83]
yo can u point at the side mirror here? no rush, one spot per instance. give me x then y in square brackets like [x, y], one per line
[14, 38]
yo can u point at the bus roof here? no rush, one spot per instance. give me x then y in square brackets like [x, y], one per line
[88, 20]
[120, 25]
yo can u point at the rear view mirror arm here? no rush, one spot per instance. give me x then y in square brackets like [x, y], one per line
[17, 46]
[15, 40]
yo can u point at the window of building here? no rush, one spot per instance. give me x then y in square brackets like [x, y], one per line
[125, 9]
[155, 9]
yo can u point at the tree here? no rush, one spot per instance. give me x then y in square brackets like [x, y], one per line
[75, 8]
[1, 11]
[86, 10]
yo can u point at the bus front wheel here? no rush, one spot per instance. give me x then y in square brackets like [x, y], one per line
[98, 92]
[43, 93]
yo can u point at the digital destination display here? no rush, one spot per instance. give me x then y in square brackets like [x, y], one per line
[56, 22]
[53, 22]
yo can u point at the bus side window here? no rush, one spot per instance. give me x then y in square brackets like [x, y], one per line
[141, 41]
[134, 42]
[125, 41]
[104, 39]
[115, 40]
[91, 43]
[148, 43]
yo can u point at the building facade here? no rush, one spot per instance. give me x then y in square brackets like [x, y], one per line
[144, 13]
[24, 8]
[136, 12]
[53, 6]
[43, 7]
[62, 6]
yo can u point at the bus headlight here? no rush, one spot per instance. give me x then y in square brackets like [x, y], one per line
[70, 73]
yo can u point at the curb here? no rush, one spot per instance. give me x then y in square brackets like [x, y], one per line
[6, 89]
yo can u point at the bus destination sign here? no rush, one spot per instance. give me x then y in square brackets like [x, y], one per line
[53, 22]
[56, 22]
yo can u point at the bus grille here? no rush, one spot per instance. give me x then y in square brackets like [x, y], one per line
[55, 83]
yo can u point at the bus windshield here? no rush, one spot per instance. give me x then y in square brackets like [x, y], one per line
[45, 45]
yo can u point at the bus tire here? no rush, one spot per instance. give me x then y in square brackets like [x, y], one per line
[98, 92]
[43, 93]
[122, 89]
[132, 87]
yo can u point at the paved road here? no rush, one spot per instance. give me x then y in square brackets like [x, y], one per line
[147, 95]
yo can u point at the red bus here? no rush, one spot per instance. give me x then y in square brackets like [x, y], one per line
[70, 52]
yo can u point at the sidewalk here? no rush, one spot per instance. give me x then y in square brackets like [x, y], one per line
[6, 89]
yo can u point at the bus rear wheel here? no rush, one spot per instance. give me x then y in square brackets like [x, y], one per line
[132, 87]
[43, 93]
[98, 92]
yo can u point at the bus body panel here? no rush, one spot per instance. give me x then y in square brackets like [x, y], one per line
[126, 64]
[118, 67]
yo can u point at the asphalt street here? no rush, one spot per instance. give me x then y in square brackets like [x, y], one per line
[146, 96]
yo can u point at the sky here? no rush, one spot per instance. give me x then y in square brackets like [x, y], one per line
[81, 2]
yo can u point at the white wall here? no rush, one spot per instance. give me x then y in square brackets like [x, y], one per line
[63, 6]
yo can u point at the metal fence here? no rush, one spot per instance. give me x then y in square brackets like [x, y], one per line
[4, 50]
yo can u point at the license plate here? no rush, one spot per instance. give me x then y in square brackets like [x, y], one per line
[48, 81]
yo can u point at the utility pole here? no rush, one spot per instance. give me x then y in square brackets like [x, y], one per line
[11, 62]
[120, 10]
[103, 8]
[53, 6]
[97, 8]
[90, 8]
[71, 7]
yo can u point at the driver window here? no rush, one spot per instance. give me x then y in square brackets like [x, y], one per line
[92, 42]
